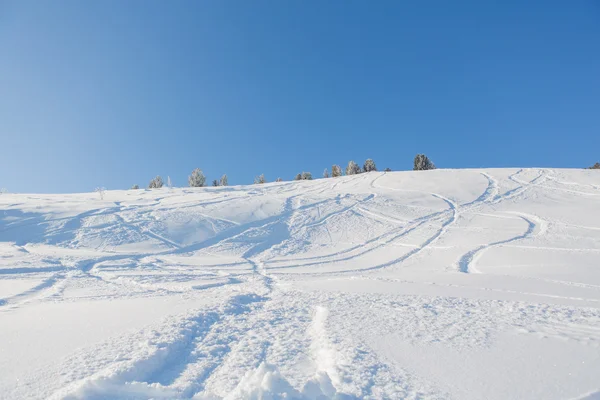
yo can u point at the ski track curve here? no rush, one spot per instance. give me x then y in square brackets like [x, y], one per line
[489, 196]
[453, 208]
[207, 353]
[467, 263]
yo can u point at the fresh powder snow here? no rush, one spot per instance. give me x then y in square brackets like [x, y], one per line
[444, 284]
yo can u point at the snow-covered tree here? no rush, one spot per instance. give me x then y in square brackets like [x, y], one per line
[369, 165]
[278, 180]
[336, 171]
[388, 170]
[260, 179]
[326, 173]
[352, 168]
[156, 183]
[595, 166]
[197, 178]
[169, 183]
[422, 163]
[223, 181]
[215, 182]
[298, 177]
[135, 187]
[306, 176]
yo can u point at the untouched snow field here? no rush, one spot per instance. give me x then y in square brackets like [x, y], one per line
[446, 284]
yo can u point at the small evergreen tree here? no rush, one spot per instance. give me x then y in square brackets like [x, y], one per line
[298, 177]
[352, 168]
[215, 182]
[369, 165]
[326, 173]
[278, 180]
[336, 171]
[156, 183]
[595, 166]
[135, 187]
[224, 180]
[306, 176]
[260, 179]
[197, 178]
[422, 163]
[388, 170]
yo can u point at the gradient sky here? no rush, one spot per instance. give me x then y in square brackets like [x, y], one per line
[112, 93]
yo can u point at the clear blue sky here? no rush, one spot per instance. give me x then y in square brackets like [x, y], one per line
[112, 93]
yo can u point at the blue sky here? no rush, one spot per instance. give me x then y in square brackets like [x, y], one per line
[112, 93]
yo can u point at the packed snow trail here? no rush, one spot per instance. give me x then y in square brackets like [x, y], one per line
[445, 284]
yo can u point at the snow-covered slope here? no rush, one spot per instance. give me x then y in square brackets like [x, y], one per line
[447, 284]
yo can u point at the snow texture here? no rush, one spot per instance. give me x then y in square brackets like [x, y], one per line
[450, 284]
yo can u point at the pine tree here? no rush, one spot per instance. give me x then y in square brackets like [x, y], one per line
[298, 177]
[135, 187]
[388, 170]
[156, 183]
[369, 165]
[197, 178]
[352, 168]
[595, 166]
[215, 182]
[306, 176]
[422, 163]
[223, 181]
[278, 180]
[260, 179]
[336, 171]
[326, 173]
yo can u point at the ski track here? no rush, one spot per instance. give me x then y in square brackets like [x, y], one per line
[490, 191]
[265, 328]
[467, 262]
[30, 294]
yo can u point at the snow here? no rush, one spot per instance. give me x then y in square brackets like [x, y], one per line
[444, 284]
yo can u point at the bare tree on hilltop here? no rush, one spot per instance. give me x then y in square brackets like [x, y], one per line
[259, 180]
[422, 163]
[100, 190]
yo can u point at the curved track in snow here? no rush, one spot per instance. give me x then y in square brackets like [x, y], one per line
[375, 286]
